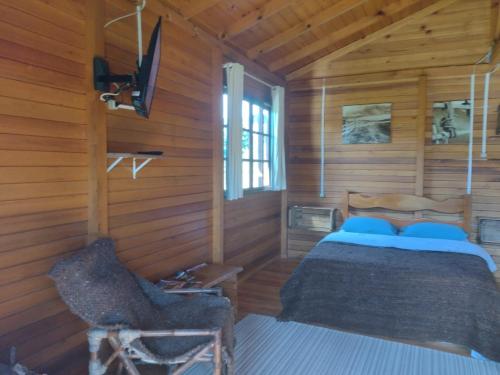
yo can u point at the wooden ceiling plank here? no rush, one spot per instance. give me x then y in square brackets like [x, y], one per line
[361, 24]
[255, 16]
[196, 7]
[428, 10]
[174, 16]
[334, 11]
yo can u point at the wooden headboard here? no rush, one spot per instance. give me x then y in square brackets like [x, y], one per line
[410, 203]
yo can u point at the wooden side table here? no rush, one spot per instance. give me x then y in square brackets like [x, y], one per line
[221, 275]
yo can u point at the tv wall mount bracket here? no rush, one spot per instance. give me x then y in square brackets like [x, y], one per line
[103, 79]
[102, 76]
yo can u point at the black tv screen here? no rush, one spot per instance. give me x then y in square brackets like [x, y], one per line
[148, 71]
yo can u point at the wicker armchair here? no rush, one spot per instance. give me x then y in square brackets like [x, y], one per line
[142, 323]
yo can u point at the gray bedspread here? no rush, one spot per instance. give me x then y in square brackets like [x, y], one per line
[422, 296]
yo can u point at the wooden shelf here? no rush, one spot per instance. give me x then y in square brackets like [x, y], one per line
[120, 156]
[214, 274]
[223, 275]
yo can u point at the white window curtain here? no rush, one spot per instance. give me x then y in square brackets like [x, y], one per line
[235, 78]
[278, 179]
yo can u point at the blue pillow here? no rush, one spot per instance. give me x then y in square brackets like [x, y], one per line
[435, 230]
[372, 225]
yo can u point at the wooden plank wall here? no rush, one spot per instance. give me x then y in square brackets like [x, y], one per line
[368, 168]
[445, 166]
[390, 168]
[252, 224]
[377, 74]
[43, 172]
[252, 229]
[162, 220]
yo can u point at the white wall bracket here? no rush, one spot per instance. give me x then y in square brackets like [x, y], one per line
[136, 167]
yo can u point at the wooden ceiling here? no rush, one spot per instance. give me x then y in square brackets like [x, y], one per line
[288, 35]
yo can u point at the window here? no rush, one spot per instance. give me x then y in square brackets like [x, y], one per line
[256, 144]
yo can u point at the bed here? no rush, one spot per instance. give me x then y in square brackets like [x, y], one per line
[406, 289]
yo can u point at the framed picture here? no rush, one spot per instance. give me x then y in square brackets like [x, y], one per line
[450, 122]
[367, 123]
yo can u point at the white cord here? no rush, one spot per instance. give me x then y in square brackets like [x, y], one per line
[487, 77]
[116, 93]
[139, 33]
[322, 165]
[103, 95]
[471, 130]
[125, 16]
[484, 154]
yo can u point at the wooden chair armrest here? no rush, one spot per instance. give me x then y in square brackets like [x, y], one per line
[181, 332]
[129, 335]
[102, 333]
[216, 291]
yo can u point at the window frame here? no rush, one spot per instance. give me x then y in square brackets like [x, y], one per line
[263, 106]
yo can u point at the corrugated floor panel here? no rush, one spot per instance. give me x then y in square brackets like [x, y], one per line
[266, 346]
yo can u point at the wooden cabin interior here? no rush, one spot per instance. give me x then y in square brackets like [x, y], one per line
[274, 125]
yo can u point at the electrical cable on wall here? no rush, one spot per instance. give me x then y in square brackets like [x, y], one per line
[471, 130]
[322, 165]
[486, 97]
[142, 6]
[138, 15]
[484, 155]
[487, 57]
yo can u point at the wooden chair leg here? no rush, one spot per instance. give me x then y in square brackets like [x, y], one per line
[127, 362]
[218, 353]
[229, 362]
[181, 369]
[119, 369]
[95, 337]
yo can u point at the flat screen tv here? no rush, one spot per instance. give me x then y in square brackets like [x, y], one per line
[142, 83]
[148, 71]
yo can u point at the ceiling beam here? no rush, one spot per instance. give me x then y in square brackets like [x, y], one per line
[255, 16]
[383, 78]
[428, 10]
[326, 15]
